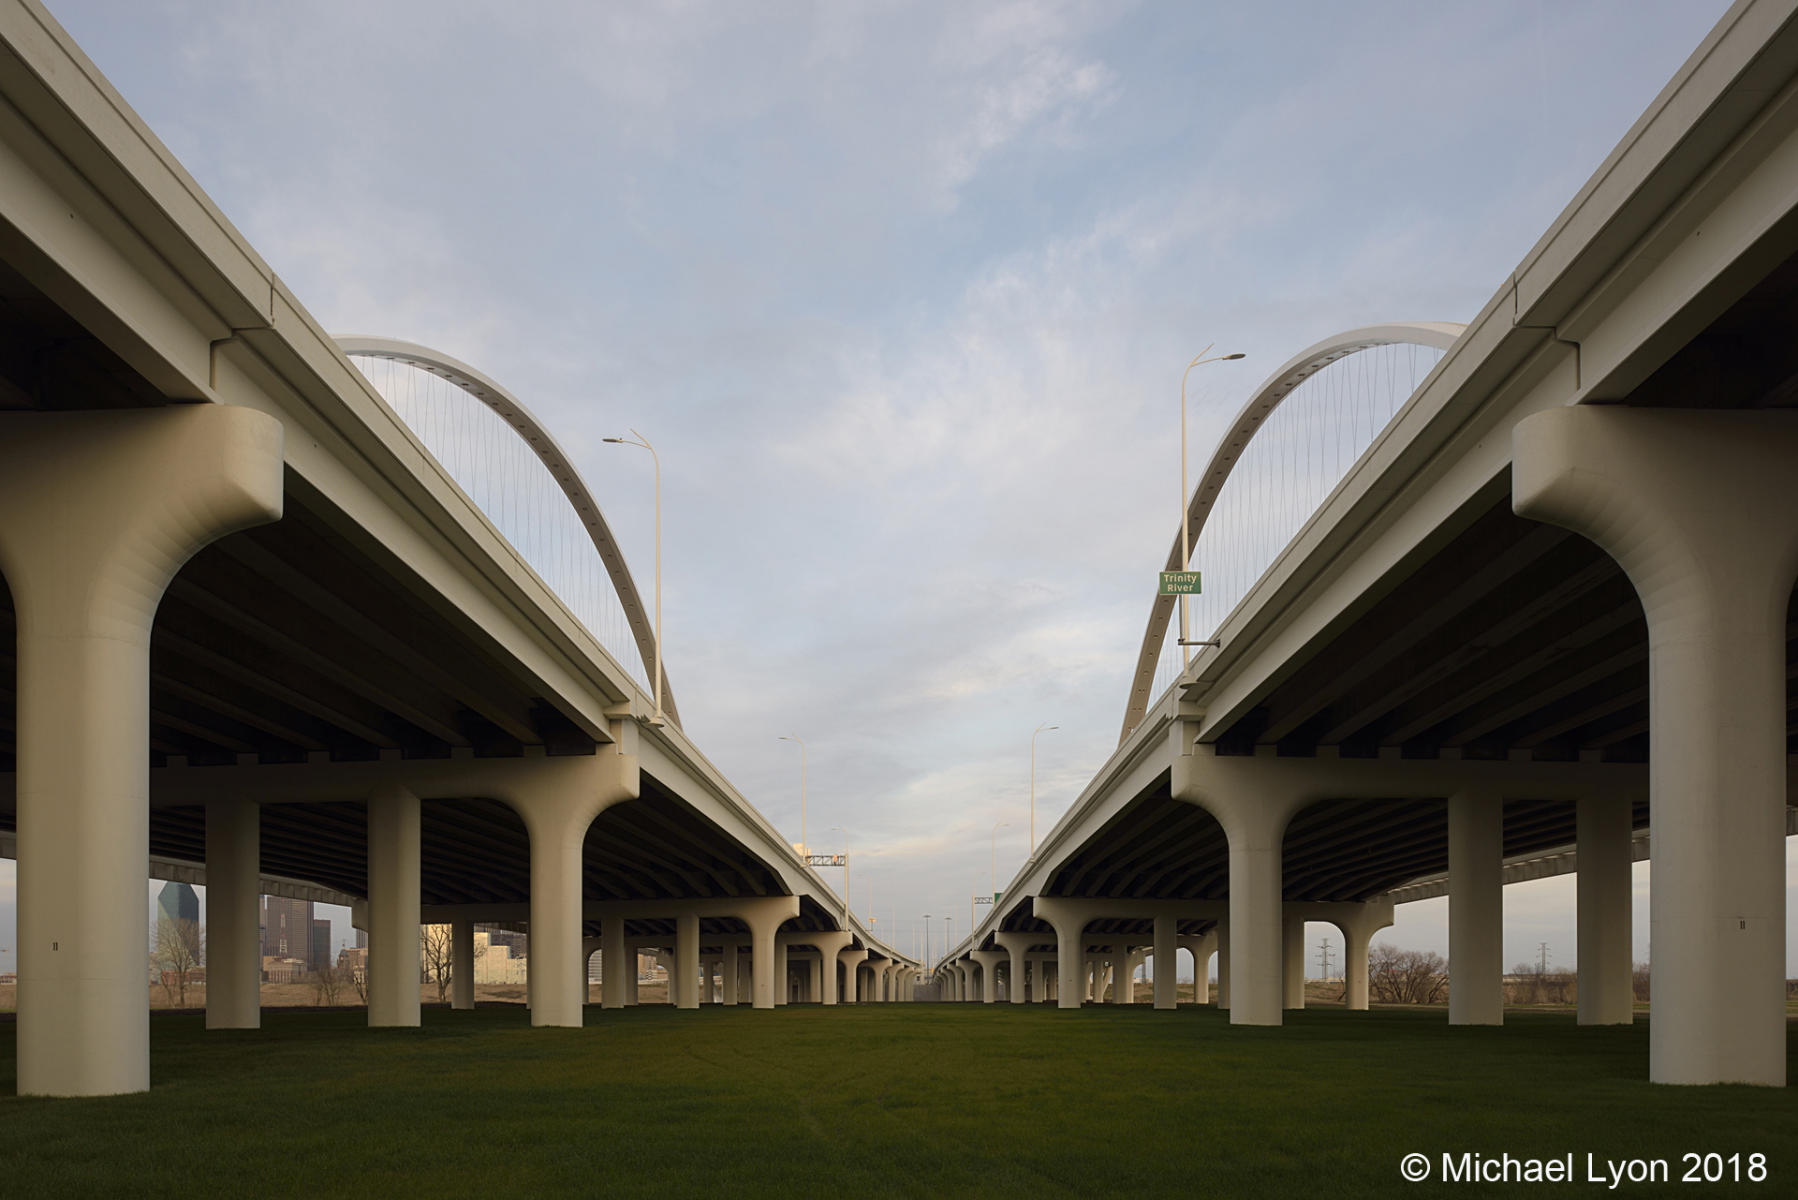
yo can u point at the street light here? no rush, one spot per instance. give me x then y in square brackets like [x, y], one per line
[928, 965]
[793, 737]
[1039, 729]
[993, 862]
[657, 459]
[1185, 503]
[845, 833]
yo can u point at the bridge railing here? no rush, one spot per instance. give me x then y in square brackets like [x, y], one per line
[495, 463]
[1296, 456]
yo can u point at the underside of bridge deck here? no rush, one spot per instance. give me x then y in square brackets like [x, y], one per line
[1158, 848]
[1504, 636]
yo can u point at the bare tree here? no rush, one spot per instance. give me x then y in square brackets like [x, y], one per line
[438, 953]
[359, 980]
[1398, 976]
[1638, 979]
[1530, 982]
[1556, 985]
[327, 981]
[180, 947]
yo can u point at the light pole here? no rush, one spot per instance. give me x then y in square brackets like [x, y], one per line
[657, 459]
[845, 833]
[1039, 729]
[1185, 501]
[993, 857]
[793, 737]
[928, 965]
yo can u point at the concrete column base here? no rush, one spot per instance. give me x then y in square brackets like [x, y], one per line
[98, 512]
[233, 894]
[393, 903]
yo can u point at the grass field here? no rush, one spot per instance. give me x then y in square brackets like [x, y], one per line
[900, 1100]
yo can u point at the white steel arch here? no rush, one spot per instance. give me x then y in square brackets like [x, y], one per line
[1439, 335]
[561, 468]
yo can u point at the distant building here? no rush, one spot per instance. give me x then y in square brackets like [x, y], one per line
[516, 942]
[286, 927]
[177, 902]
[280, 969]
[499, 956]
[352, 963]
[318, 950]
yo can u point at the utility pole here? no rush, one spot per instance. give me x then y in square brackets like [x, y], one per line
[1323, 954]
[1542, 962]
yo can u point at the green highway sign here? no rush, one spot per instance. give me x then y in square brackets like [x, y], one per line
[1179, 583]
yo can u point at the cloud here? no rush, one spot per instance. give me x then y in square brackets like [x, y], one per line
[901, 292]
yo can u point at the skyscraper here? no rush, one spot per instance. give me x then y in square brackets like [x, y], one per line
[286, 927]
[177, 902]
[318, 949]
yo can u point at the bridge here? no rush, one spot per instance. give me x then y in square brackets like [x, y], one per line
[273, 637]
[1542, 623]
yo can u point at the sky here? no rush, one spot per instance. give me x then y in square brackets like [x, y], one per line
[902, 292]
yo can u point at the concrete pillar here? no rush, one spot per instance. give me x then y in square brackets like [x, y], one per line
[989, 973]
[814, 982]
[1016, 946]
[767, 961]
[851, 961]
[683, 984]
[98, 511]
[1606, 987]
[1357, 936]
[551, 973]
[393, 901]
[827, 945]
[1201, 947]
[233, 938]
[631, 983]
[1292, 961]
[783, 974]
[727, 977]
[589, 947]
[1697, 507]
[1476, 847]
[1166, 962]
[1223, 964]
[617, 963]
[1123, 975]
[1068, 920]
[1257, 974]
[1207, 951]
[462, 964]
[557, 818]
